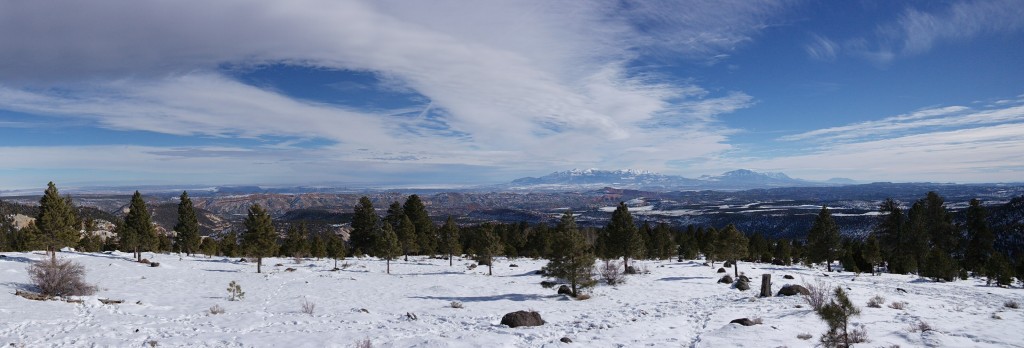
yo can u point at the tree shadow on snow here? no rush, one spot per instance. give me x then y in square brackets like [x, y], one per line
[509, 297]
[17, 259]
[19, 286]
[669, 279]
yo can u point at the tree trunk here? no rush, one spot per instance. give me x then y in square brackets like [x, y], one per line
[829, 265]
[335, 263]
[490, 266]
[389, 265]
[625, 265]
[766, 285]
[451, 260]
[259, 264]
[736, 269]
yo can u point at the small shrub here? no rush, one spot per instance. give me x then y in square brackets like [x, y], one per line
[818, 294]
[920, 326]
[804, 336]
[836, 315]
[1011, 304]
[455, 304]
[876, 302]
[898, 305]
[56, 277]
[216, 309]
[235, 291]
[757, 321]
[308, 307]
[153, 343]
[612, 274]
[364, 343]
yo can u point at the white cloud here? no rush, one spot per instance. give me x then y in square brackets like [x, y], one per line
[822, 48]
[926, 119]
[523, 83]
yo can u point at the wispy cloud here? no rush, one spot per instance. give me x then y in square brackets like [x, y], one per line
[950, 117]
[822, 48]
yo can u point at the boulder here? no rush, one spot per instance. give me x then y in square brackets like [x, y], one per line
[721, 270]
[743, 321]
[547, 284]
[513, 265]
[787, 277]
[743, 278]
[631, 270]
[743, 286]
[727, 279]
[727, 264]
[522, 318]
[565, 290]
[793, 289]
[154, 264]
[565, 340]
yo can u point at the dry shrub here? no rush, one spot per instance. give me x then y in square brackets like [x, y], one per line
[455, 304]
[1011, 304]
[919, 326]
[611, 273]
[819, 294]
[876, 302]
[364, 343]
[804, 336]
[216, 309]
[56, 277]
[757, 321]
[898, 305]
[308, 307]
[582, 297]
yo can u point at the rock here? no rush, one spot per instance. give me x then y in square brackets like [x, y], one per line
[513, 265]
[901, 290]
[793, 289]
[743, 286]
[743, 278]
[522, 318]
[144, 261]
[787, 277]
[631, 270]
[742, 321]
[565, 290]
[289, 269]
[721, 270]
[565, 340]
[547, 284]
[154, 264]
[727, 279]
[727, 264]
[705, 264]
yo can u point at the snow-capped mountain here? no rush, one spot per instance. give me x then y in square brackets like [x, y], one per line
[645, 180]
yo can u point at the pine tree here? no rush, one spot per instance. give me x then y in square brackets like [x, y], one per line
[259, 239]
[708, 245]
[783, 252]
[335, 248]
[56, 221]
[295, 243]
[872, 251]
[731, 246]
[406, 232]
[823, 240]
[364, 226]
[664, 242]
[623, 236]
[939, 266]
[997, 270]
[487, 246]
[7, 229]
[317, 246]
[891, 235]
[187, 237]
[228, 244]
[388, 246]
[450, 239]
[538, 242]
[837, 315]
[209, 246]
[90, 242]
[426, 233]
[571, 259]
[981, 240]
[139, 233]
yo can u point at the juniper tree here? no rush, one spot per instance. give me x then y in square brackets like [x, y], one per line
[364, 226]
[187, 238]
[450, 239]
[138, 231]
[731, 246]
[259, 239]
[56, 221]
[571, 258]
[623, 237]
[823, 240]
[388, 246]
[425, 230]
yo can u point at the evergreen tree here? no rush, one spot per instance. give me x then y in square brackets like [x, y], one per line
[7, 229]
[406, 232]
[259, 239]
[209, 246]
[487, 246]
[56, 221]
[998, 270]
[872, 251]
[335, 248]
[187, 229]
[228, 244]
[364, 224]
[624, 239]
[450, 239]
[317, 246]
[731, 246]
[917, 237]
[981, 240]
[939, 266]
[538, 243]
[708, 239]
[138, 233]
[939, 223]
[664, 241]
[759, 248]
[164, 242]
[388, 246]
[823, 240]
[571, 259]
[90, 242]
[783, 252]
[891, 235]
[425, 230]
[295, 241]
[837, 315]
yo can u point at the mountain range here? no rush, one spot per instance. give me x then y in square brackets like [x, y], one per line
[741, 179]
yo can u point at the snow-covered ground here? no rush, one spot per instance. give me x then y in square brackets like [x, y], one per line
[678, 304]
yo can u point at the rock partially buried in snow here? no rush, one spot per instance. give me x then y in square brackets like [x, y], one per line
[721, 270]
[565, 290]
[742, 285]
[793, 289]
[726, 279]
[743, 321]
[565, 340]
[787, 276]
[522, 318]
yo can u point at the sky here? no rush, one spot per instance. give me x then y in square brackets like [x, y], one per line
[311, 92]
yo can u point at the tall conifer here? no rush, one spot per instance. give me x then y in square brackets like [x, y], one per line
[187, 230]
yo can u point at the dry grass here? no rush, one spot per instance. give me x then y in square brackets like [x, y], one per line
[819, 294]
[876, 302]
[308, 307]
[1011, 304]
[919, 326]
[216, 309]
[582, 297]
[364, 343]
[898, 305]
[611, 273]
[455, 304]
[55, 277]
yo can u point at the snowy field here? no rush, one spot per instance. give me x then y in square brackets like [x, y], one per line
[678, 304]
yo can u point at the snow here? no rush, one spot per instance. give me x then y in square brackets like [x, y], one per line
[676, 304]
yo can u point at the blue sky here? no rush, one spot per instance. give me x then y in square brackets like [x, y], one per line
[317, 92]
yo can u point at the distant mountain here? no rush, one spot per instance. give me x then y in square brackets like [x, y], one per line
[741, 179]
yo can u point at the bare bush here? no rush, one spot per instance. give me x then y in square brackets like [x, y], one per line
[364, 343]
[819, 293]
[611, 273]
[919, 326]
[898, 305]
[804, 336]
[876, 302]
[56, 277]
[216, 309]
[1011, 304]
[455, 304]
[308, 307]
